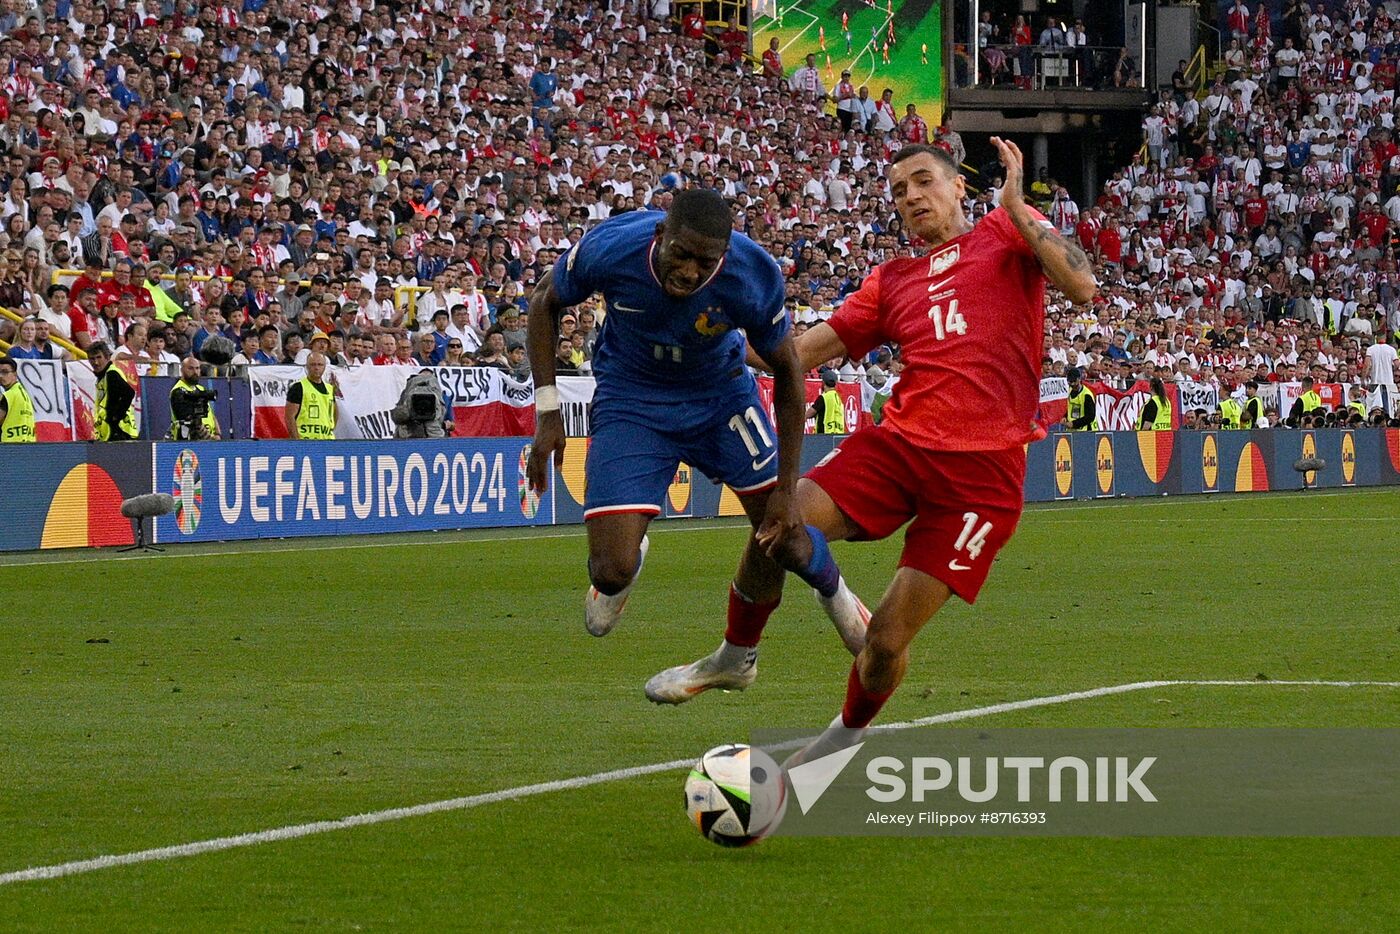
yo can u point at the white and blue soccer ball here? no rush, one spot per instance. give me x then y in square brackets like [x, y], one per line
[735, 795]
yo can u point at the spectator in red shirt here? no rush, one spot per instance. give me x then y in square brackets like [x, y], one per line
[772, 60]
[693, 25]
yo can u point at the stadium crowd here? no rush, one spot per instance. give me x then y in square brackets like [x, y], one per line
[385, 182]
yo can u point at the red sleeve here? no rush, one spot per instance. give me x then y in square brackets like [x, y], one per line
[1001, 222]
[857, 322]
[79, 321]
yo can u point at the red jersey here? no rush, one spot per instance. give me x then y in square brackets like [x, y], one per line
[969, 318]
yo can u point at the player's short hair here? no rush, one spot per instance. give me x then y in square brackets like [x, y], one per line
[702, 210]
[9, 361]
[915, 149]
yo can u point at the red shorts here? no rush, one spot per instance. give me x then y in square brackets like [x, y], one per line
[965, 504]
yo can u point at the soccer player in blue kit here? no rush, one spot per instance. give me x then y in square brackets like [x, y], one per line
[672, 386]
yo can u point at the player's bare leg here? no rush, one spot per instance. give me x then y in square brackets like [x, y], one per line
[910, 602]
[617, 547]
[755, 593]
[753, 596]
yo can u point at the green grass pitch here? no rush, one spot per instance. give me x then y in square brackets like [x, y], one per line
[217, 691]
[916, 23]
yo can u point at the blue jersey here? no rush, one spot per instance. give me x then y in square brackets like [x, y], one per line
[656, 347]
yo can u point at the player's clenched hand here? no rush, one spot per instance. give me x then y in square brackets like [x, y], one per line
[781, 522]
[549, 445]
[1012, 197]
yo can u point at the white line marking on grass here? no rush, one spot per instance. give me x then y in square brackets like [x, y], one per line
[814, 20]
[296, 831]
[1226, 520]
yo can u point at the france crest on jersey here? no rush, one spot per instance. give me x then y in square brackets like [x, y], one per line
[672, 385]
[674, 348]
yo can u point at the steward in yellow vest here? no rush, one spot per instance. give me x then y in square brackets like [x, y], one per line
[828, 409]
[1252, 416]
[1307, 405]
[16, 409]
[1230, 413]
[1156, 414]
[1083, 414]
[311, 411]
[112, 416]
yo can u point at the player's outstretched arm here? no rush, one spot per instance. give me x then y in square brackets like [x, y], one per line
[1065, 264]
[817, 345]
[542, 334]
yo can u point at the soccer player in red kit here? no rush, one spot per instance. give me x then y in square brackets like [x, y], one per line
[949, 453]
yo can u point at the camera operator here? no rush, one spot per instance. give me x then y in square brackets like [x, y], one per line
[422, 410]
[191, 419]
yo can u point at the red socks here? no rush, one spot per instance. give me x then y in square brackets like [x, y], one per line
[746, 619]
[861, 705]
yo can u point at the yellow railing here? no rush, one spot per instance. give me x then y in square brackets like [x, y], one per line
[1196, 69]
[408, 295]
[66, 344]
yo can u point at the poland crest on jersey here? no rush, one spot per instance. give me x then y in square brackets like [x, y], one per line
[942, 260]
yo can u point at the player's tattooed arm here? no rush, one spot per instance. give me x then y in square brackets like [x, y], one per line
[1064, 262]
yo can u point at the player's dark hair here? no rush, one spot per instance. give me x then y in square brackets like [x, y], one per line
[915, 149]
[702, 210]
[9, 361]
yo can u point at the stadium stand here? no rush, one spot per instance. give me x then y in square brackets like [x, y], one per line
[278, 170]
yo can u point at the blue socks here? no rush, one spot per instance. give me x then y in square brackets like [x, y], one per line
[821, 572]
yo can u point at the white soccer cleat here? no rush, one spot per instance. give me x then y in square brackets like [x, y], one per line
[678, 685]
[851, 617]
[600, 611]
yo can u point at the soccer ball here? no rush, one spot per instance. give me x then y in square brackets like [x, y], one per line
[735, 795]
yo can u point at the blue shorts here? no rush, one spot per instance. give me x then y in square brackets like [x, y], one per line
[637, 447]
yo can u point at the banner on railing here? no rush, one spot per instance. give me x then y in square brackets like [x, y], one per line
[850, 401]
[82, 389]
[47, 385]
[484, 401]
[1054, 401]
[1118, 409]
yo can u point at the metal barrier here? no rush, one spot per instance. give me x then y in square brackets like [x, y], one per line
[77, 352]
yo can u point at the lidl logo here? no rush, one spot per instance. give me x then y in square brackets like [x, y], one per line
[1348, 459]
[1103, 465]
[678, 493]
[1064, 466]
[1309, 450]
[1210, 463]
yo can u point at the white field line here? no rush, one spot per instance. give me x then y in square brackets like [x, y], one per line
[244, 546]
[870, 47]
[1215, 520]
[297, 831]
[814, 20]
